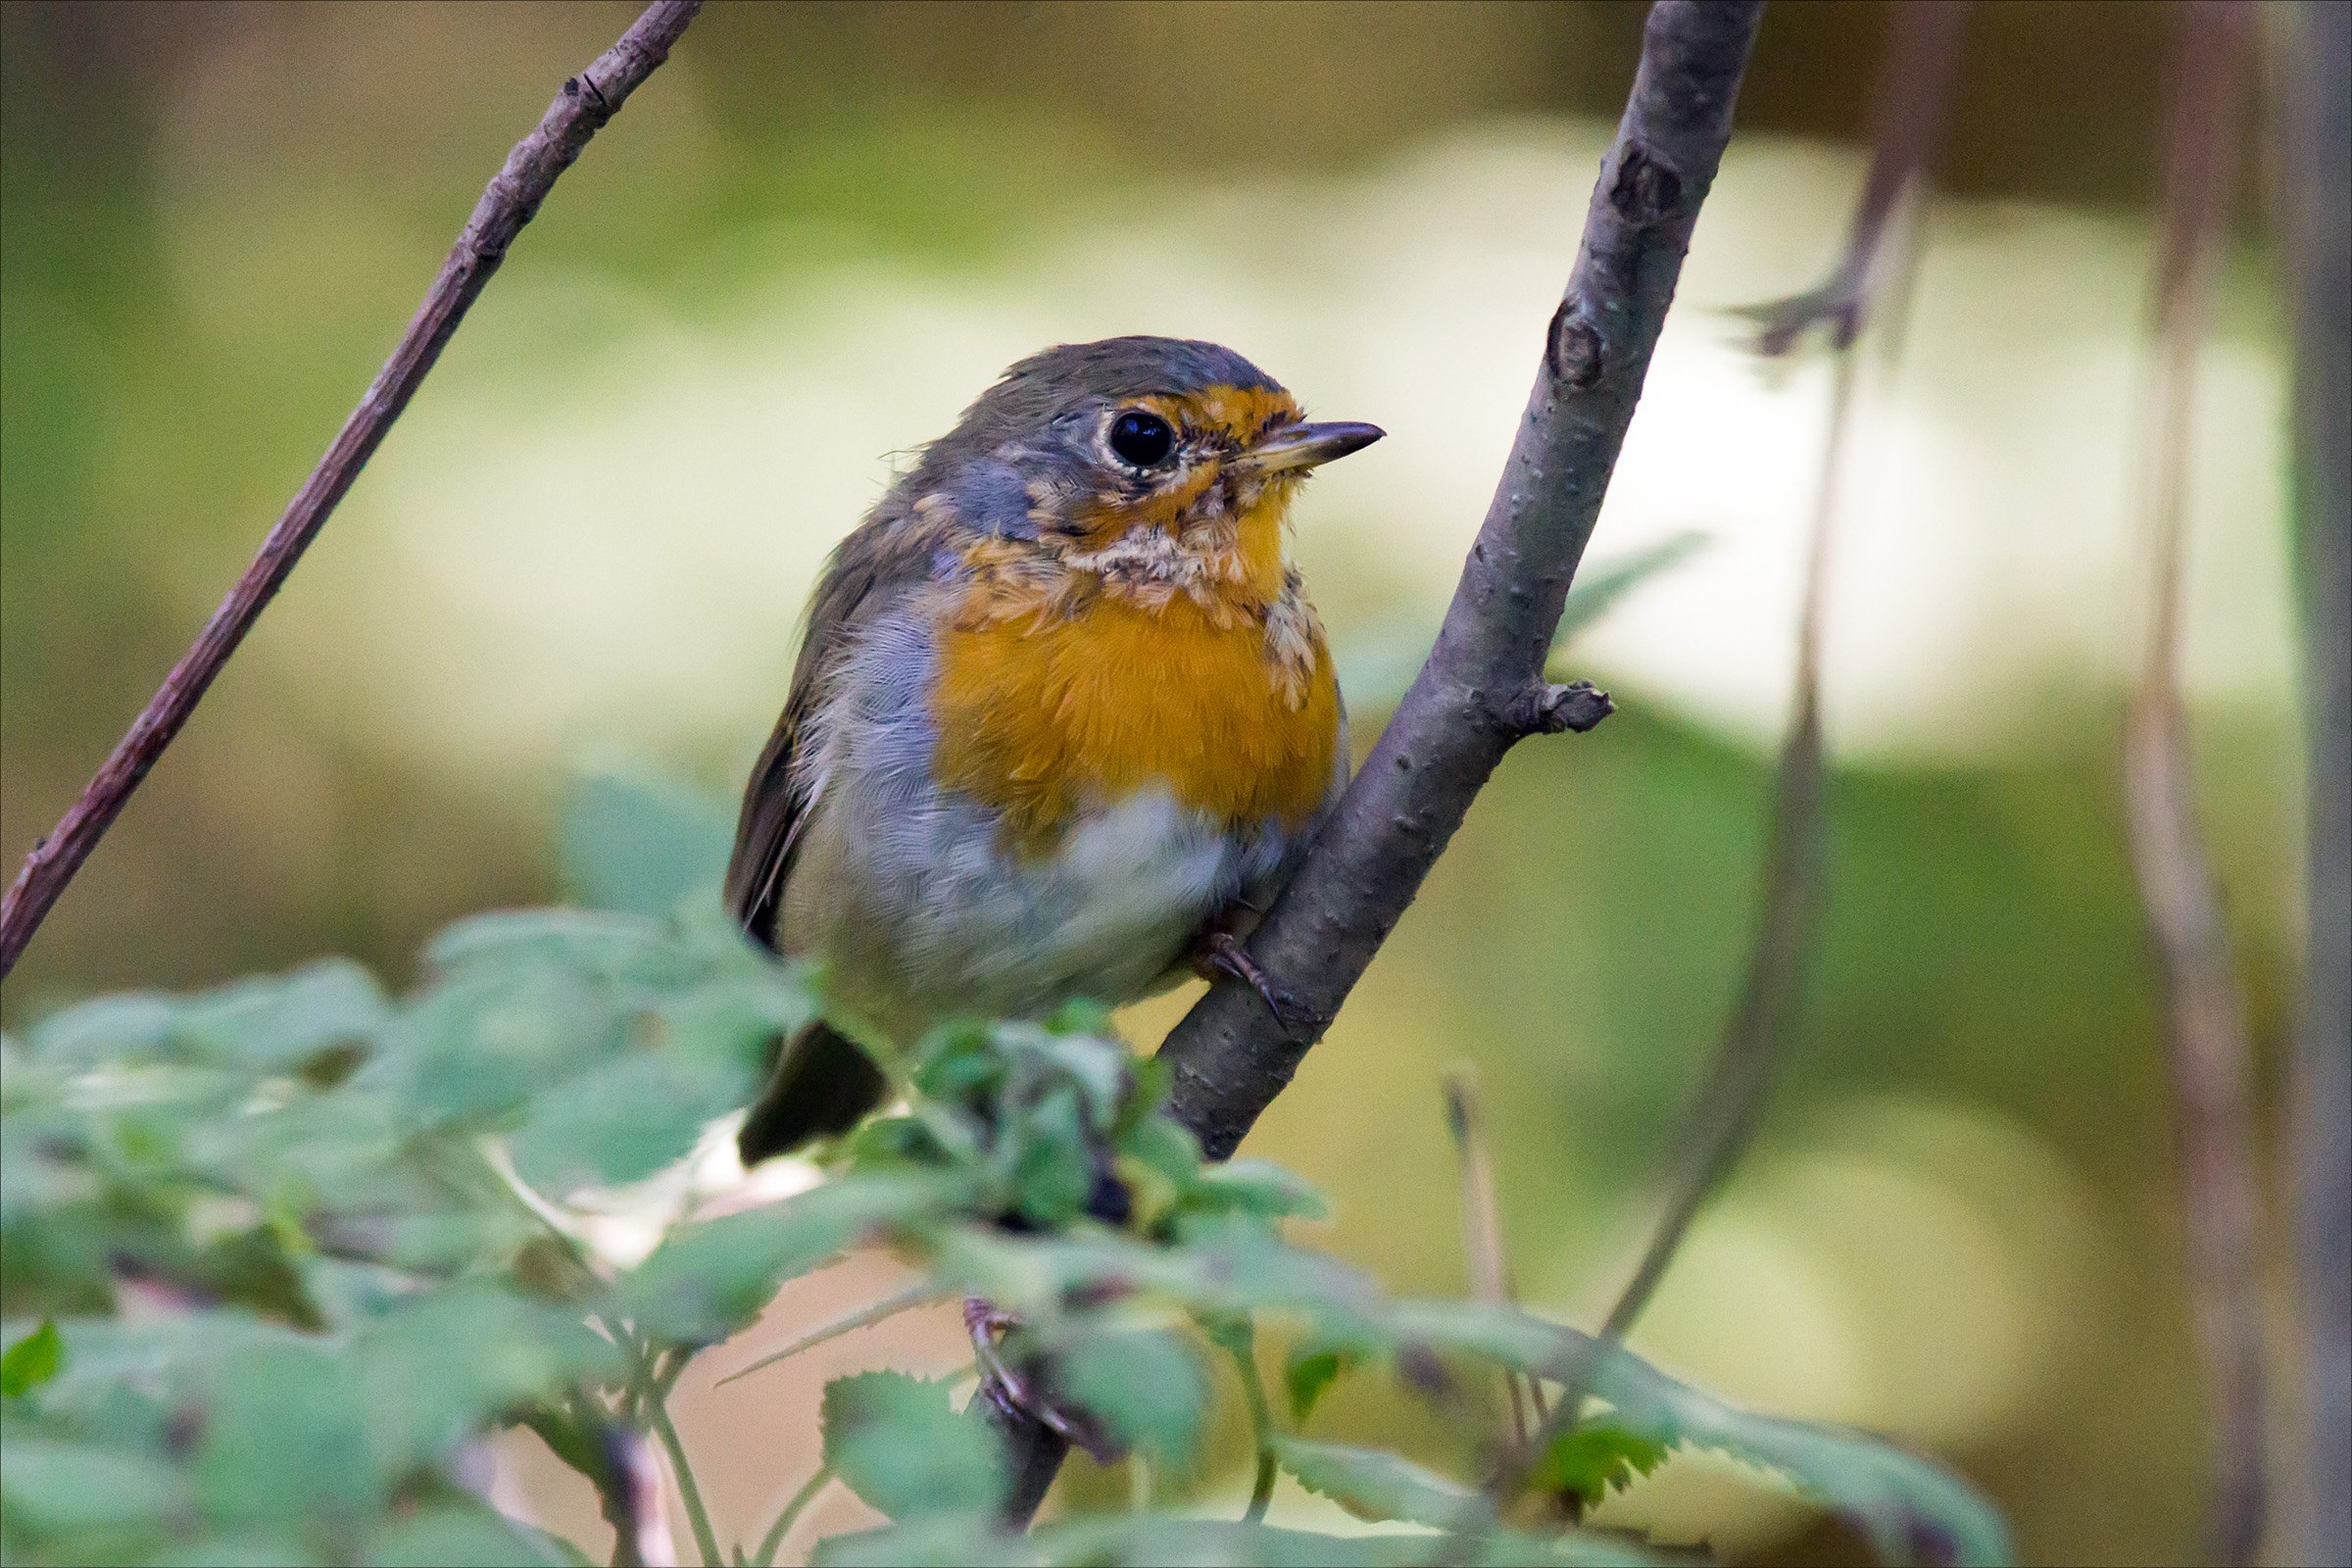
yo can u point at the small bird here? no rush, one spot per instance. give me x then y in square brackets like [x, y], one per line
[1062, 721]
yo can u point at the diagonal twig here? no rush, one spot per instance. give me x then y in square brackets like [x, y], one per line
[2209, 1039]
[1483, 687]
[587, 102]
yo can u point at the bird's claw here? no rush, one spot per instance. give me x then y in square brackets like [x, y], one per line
[1011, 1388]
[1221, 952]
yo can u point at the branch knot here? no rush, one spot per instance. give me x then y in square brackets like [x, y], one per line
[1571, 347]
[1647, 190]
[1543, 709]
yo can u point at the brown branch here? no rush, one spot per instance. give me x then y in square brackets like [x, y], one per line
[587, 101]
[2317, 143]
[1483, 687]
[1232, 1054]
[2210, 1042]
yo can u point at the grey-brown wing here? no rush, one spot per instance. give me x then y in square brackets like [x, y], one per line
[882, 556]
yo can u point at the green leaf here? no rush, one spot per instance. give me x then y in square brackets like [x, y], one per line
[1156, 1541]
[487, 1039]
[1588, 1461]
[286, 1437]
[1311, 1374]
[1372, 1484]
[706, 1281]
[32, 1360]
[282, 1023]
[1254, 1187]
[1145, 1385]
[1910, 1508]
[938, 1540]
[60, 1488]
[897, 1441]
[624, 1119]
[243, 1550]
[441, 1368]
[589, 940]
[475, 1535]
[1054, 1169]
[640, 844]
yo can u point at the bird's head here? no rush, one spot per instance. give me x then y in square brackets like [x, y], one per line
[1137, 455]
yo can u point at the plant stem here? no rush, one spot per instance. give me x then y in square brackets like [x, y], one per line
[1261, 1426]
[774, 1542]
[706, 1539]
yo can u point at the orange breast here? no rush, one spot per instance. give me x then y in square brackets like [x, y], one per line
[1042, 712]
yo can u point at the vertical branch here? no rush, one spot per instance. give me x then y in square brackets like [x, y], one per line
[2208, 1037]
[2317, 136]
[587, 102]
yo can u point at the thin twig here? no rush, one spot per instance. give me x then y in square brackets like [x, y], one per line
[2317, 135]
[587, 102]
[1913, 87]
[1232, 1054]
[1482, 1223]
[1717, 1130]
[774, 1542]
[2209, 1039]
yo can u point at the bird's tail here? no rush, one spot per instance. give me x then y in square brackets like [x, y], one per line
[822, 1085]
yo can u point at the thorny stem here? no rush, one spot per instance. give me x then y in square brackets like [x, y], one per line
[867, 1317]
[586, 104]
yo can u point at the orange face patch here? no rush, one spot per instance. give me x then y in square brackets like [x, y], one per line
[1044, 711]
[1214, 426]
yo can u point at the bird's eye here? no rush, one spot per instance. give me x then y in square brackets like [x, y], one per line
[1140, 438]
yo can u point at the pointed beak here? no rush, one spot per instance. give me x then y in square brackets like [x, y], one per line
[1300, 447]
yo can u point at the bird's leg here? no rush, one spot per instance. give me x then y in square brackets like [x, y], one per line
[1011, 1387]
[1218, 951]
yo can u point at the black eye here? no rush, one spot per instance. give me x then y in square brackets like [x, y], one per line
[1140, 438]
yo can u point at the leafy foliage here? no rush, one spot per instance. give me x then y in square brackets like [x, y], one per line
[278, 1255]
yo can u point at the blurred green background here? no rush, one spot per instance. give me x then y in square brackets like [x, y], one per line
[819, 230]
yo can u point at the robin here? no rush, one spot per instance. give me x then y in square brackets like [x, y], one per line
[1062, 719]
